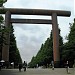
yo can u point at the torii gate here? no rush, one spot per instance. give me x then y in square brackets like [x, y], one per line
[16, 11]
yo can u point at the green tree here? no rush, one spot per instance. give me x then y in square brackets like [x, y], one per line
[1, 2]
[1, 28]
[14, 54]
[18, 58]
[1, 36]
[32, 64]
[69, 46]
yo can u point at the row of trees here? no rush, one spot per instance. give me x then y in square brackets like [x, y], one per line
[14, 54]
[67, 50]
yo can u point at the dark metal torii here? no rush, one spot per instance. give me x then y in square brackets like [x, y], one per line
[17, 11]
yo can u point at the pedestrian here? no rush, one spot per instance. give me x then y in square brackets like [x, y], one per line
[24, 65]
[52, 63]
[67, 67]
[20, 66]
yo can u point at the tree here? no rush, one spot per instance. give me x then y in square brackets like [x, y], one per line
[14, 54]
[1, 35]
[1, 2]
[32, 64]
[18, 58]
[69, 46]
[1, 28]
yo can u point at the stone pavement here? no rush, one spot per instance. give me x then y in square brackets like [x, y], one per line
[56, 71]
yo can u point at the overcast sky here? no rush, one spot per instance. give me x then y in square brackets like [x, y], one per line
[30, 37]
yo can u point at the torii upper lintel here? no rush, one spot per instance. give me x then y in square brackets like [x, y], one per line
[35, 12]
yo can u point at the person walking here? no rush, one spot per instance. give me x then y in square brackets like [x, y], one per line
[20, 67]
[52, 63]
[67, 67]
[24, 66]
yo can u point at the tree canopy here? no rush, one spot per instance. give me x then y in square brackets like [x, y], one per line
[69, 46]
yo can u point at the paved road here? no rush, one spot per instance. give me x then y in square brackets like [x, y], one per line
[56, 71]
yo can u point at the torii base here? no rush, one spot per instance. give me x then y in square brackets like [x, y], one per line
[57, 64]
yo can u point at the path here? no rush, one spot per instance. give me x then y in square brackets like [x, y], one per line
[56, 71]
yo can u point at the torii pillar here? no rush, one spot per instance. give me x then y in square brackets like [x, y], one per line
[55, 32]
[5, 50]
